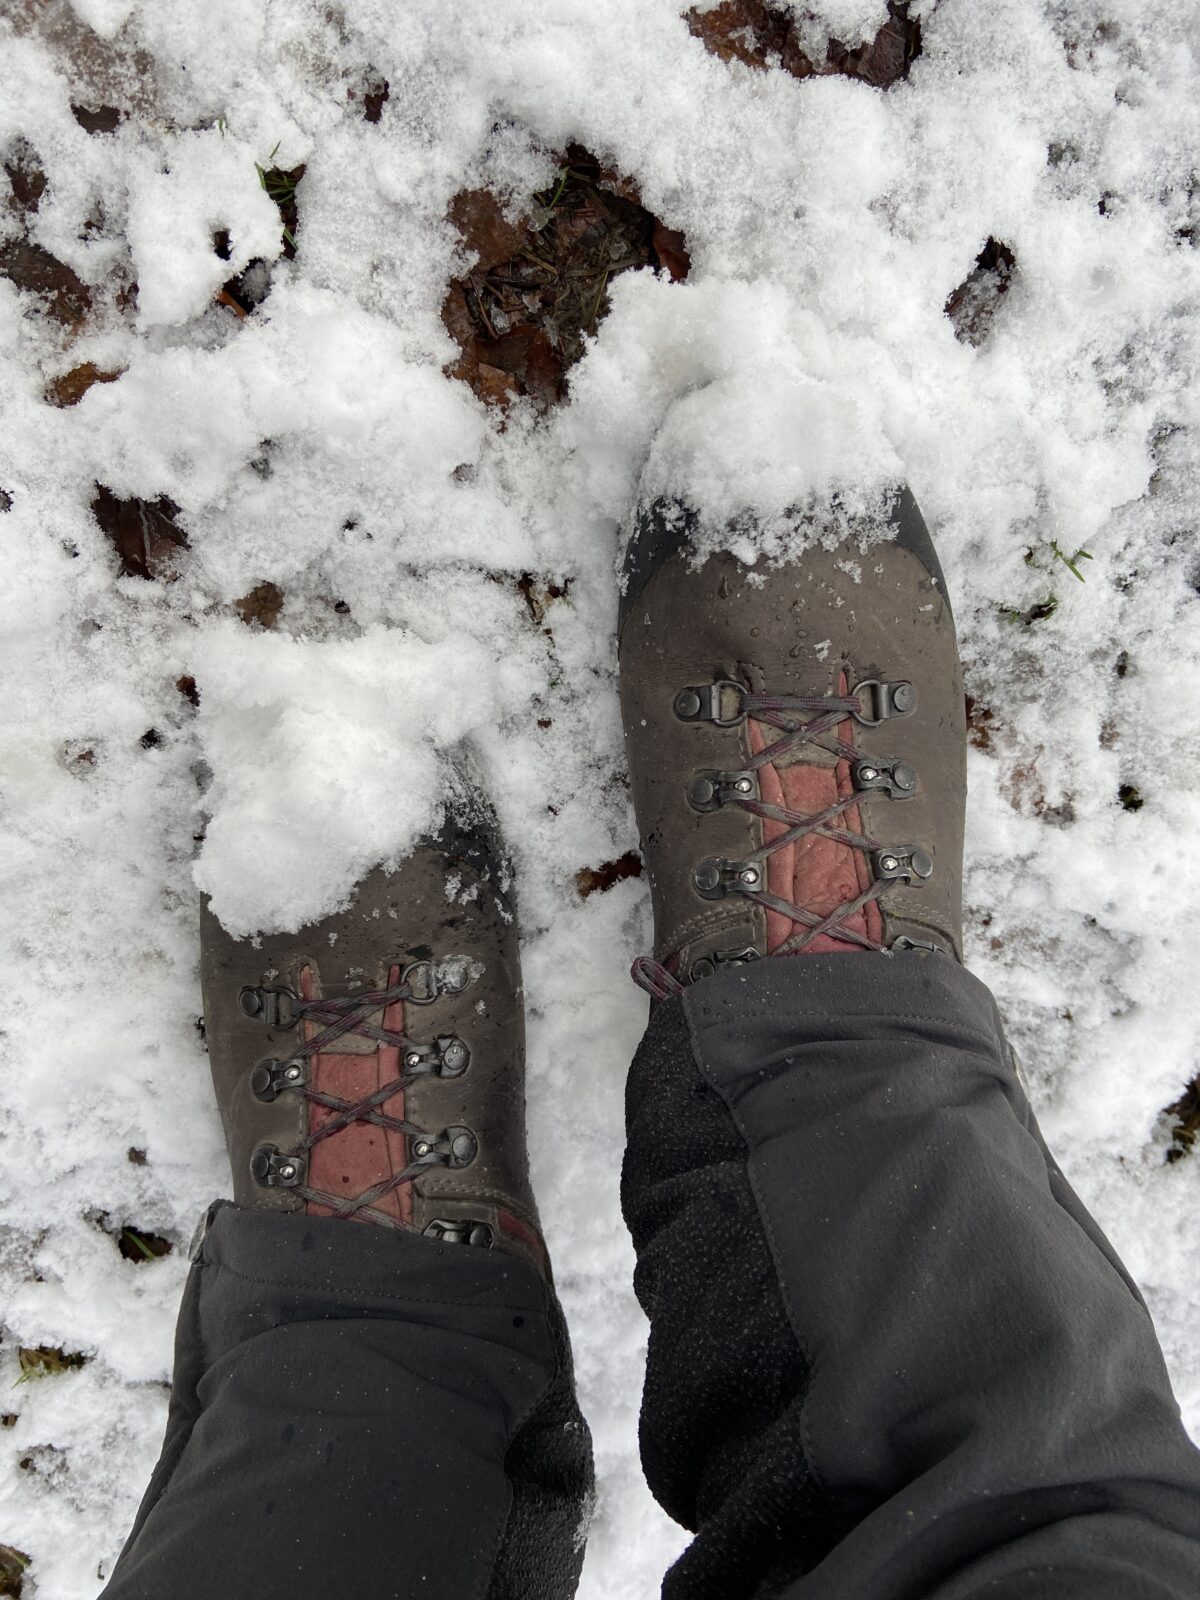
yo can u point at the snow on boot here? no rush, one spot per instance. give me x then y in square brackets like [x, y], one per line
[371, 1066]
[797, 746]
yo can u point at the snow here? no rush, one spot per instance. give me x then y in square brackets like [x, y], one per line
[317, 445]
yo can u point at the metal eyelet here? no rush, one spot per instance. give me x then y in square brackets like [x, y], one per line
[271, 1169]
[897, 780]
[276, 1007]
[715, 878]
[705, 966]
[888, 700]
[703, 703]
[453, 1147]
[902, 864]
[709, 791]
[464, 1230]
[268, 1079]
[446, 1057]
[429, 980]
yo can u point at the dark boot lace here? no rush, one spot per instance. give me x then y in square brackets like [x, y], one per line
[451, 1147]
[800, 720]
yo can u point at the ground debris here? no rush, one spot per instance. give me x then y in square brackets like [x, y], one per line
[45, 1361]
[973, 305]
[375, 97]
[37, 272]
[540, 593]
[70, 388]
[594, 880]
[281, 184]
[14, 1564]
[764, 35]
[139, 1246]
[1186, 1112]
[981, 722]
[144, 533]
[98, 119]
[26, 178]
[262, 605]
[539, 284]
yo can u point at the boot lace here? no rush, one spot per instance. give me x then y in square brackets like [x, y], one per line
[341, 1015]
[800, 721]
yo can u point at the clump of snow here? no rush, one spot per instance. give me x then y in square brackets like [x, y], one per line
[317, 445]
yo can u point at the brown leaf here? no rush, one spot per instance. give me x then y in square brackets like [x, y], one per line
[594, 880]
[670, 247]
[1186, 1111]
[37, 272]
[262, 605]
[26, 178]
[486, 231]
[761, 35]
[973, 305]
[14, 1563]
[374, 100]
[187, 688]
[104, 119]
[522, 315]
[70, 389]
[145, 534]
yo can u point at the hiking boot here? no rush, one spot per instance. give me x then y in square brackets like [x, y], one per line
[371, 1066]
[797, 746]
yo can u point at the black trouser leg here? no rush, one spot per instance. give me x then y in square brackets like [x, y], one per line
[891, 1355]
[363, 1413]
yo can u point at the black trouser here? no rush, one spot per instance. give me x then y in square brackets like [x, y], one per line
[891, 1355]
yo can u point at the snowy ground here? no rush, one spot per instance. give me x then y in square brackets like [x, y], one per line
[317, 445]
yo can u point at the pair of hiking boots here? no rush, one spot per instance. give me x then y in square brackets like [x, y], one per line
[796, 748]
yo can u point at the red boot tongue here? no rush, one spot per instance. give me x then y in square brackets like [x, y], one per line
[359, 1156]
[817, 873]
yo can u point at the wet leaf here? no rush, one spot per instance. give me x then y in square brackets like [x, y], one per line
[25, 177]
[37, 272]
[144, 533]
[973, 305]
[262, 605]
[1186, 1112]
[103, 119]
[70, 389]
[763, 35]
[46, 1361]
[594, 880]
[139, 1246]
[14, 1564]
[374, 100]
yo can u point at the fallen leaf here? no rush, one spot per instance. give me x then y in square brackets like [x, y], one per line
[144, 533]
[594, 880]
[70, 389]
[262, 605]
[37, 272]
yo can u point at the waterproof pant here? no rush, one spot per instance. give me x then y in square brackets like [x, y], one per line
[891, 1355]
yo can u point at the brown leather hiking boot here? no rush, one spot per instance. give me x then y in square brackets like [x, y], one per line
[372, 1065]
[797, 747]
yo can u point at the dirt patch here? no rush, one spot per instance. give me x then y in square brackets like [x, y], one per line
[144, 533]
[763, 35]
[539, 285]
[594, 880]
[973, 305]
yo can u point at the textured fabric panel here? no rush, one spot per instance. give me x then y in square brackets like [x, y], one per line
[987, 1409]
[722, 1412]
[346, 1403]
